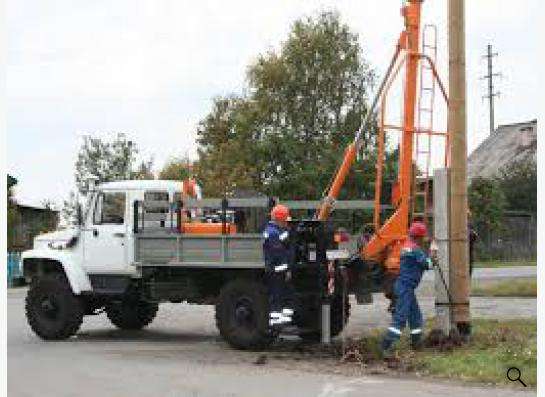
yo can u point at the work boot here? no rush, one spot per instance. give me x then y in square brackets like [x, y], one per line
[274, 322]
[416, 341]
[387, 347]
[286, 319]
[287, 312]
[391, 336]
[277, 318]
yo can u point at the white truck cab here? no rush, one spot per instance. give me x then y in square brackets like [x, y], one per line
[104, 241]
[107, 230]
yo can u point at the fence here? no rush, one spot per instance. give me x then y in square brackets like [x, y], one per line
[15, 272]
[517, 239]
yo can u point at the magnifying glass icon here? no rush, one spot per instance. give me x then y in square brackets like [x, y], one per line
[516, 372]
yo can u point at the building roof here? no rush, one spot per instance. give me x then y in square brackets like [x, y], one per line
[510, 142]
[152, 184]
[36, 207]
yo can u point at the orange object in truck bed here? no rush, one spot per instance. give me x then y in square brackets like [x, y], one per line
[208, 228]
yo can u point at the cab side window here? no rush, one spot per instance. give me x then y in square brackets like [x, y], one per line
[110, 209]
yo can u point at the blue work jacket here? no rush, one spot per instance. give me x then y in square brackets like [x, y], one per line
[413, 262]
[276, 247]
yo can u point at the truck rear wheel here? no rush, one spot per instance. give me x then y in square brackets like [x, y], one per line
[242, 315]
[338, 322]
[52, 310]
[131, 313]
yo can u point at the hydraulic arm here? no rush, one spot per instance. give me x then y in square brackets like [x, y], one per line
[384, 246]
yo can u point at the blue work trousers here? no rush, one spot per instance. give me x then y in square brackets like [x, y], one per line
[407, 308]
[280, 292]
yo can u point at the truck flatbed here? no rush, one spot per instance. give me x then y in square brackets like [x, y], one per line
[239, 251]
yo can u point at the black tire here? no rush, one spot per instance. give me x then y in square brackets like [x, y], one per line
[52, 310]
[242, 315]
[337, 323]
[131, 313]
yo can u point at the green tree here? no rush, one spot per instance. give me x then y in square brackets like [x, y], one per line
[487, 203]
[69, 209]
[518, 182]
[303, 104]
[230, 156]
[144, 170]
[177, 169]
[104, 160]
[13, 215]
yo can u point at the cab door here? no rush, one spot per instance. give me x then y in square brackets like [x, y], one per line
[106, 234]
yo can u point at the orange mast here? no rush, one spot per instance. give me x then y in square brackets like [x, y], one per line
[385, 244]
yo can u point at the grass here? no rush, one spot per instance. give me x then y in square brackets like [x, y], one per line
[495, 346]
[495, 263]
[514, 287]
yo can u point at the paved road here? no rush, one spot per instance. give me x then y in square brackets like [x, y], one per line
[489, 273]
[181, 354]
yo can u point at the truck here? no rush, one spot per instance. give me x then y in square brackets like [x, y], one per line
[140, 243]
[133, 249]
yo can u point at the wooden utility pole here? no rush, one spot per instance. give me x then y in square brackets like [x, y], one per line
[457, 125]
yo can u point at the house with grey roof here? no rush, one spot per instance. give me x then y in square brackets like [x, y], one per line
[518, 238]
[510, 142]
[28, 220]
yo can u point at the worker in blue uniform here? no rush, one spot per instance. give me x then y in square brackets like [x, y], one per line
[278, 257]
[413, 262]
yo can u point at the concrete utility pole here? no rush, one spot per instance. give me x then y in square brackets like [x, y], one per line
[491, 93]
[457, 124]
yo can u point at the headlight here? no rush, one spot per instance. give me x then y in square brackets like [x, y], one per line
[57, 245]
[60, 245]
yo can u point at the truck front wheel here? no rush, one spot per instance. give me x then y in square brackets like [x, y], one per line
[242, 315]
[131, 314]
[52, 310]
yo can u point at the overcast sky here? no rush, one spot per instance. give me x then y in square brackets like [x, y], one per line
[151, 68]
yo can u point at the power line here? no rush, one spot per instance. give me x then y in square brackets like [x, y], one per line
[491, 92]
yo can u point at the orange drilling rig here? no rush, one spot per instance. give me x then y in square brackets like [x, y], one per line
[409, 198]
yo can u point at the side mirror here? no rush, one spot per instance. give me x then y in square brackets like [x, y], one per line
[79, 215]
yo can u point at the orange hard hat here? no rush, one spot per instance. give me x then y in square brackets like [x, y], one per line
[418, 229]
[280, 213]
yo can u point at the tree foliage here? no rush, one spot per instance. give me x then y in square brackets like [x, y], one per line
[144, 170]
[230, 155]
[13, 215]
[177, 169]
[518, 182]
[287, 134]
[69, 209]
[487, 203]
[105, 160]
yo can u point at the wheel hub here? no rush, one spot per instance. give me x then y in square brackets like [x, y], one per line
[244, 314]
[49, 307]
